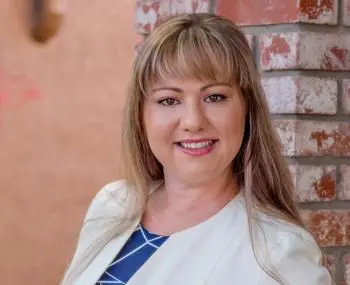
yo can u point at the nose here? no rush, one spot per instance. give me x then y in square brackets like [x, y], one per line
[193, 118]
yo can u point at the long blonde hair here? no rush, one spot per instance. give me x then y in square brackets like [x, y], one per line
[209, 47]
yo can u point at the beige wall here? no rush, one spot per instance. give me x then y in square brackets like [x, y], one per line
[60, 107]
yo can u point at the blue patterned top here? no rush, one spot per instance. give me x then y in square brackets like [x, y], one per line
[140, 246]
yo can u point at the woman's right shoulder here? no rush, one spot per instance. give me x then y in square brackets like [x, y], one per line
[110, 200]
[102, 221]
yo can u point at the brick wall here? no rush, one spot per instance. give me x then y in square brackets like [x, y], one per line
[303, 50]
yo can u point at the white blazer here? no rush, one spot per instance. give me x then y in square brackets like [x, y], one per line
[216, 251]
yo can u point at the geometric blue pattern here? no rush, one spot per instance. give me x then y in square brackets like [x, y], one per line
[140, 246]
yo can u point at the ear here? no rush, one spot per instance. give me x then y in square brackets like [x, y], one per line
[47, 17]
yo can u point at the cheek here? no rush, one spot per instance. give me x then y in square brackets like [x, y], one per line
[159, 124]
[230, 121]
[159, 128]
[234, 137]
[231, 126]
[160, 121]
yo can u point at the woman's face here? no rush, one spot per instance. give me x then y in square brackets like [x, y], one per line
[195, 129]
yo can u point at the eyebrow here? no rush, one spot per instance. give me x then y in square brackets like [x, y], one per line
[179, 90]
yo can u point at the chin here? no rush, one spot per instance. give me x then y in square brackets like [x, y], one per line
[196, 175]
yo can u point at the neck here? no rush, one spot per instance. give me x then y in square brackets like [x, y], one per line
[179, 205]
[184, 197]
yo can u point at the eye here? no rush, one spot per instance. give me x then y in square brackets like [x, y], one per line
[168, 102]
[214, 98]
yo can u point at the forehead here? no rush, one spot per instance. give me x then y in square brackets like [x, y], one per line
[190, 55]
[182, 85]
[188, 77]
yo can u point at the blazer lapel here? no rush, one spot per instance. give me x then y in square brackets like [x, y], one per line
[104, 258]
[111, 209]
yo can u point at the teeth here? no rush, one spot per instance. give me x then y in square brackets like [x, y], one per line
[197, 145]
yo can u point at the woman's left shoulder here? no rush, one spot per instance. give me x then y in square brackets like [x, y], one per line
[294, 253]
[277, 230]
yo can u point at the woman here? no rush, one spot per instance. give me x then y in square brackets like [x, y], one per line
[208, 198]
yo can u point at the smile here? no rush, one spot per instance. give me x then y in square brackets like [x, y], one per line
[197, 147]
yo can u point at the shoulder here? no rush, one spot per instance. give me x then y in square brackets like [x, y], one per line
[109, 200]
[276, 230]
[106, 216]
[109, 214]
[292, 254]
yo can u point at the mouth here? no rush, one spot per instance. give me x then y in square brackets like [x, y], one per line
[196, 144]
[199, 147]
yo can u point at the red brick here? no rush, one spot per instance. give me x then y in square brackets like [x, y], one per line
[317, 138]
[323, 138]
[330, 227]
[318, 12]
[344, 187]
[286, 130]
[329, 260]
[306, 138]
[149, 13]
[315, 183]
[343, 139]
[346, 260]
[346, 96]
[252, 12]
[301, 95]
[278, 51]
[305, 50]
[346, 14]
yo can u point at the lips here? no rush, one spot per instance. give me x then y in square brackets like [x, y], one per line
[197, 147]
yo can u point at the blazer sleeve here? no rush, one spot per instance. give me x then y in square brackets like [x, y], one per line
[298, 261]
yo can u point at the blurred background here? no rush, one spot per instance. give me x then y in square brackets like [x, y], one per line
[60, 114]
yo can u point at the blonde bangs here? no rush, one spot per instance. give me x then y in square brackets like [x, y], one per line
[192, 53]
